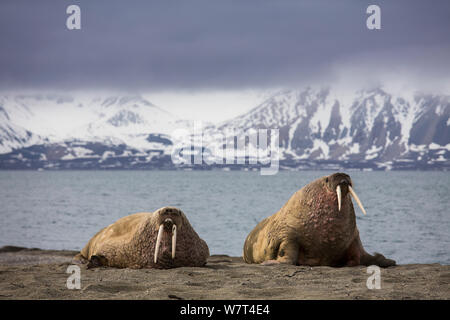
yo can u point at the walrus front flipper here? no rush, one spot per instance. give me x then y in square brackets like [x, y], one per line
[79, 259]
[97, 261]
[356, 255]
[288, 252]
[377, 259]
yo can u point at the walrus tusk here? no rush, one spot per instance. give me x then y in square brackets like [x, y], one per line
[158, 242]
[338, 192]
[353, 193]
[174, 240]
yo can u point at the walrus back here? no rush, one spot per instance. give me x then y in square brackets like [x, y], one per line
[117, 233]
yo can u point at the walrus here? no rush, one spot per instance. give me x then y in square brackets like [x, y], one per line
[316, 227]
[162, 239]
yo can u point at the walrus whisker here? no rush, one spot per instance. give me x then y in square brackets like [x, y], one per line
[174, 240]
[353, 193]
[339, 195]
[158, 242]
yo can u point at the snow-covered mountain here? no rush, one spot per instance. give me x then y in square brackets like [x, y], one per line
[56, 118]
[318, 128]
[365, 126]
[63, 131]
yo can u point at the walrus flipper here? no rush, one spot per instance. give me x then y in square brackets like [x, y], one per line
[366, 259]
[97, 261]
[79, 259]
[377, 259]
[288, 252]
[356, 255]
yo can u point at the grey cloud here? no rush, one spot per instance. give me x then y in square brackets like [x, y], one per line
[210, 44]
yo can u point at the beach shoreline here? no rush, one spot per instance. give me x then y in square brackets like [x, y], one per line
[42, 274]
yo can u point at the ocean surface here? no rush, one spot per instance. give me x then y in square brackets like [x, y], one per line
[408, 216]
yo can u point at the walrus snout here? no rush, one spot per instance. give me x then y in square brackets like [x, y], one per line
[166, 226]
[343, 187]
[170, 222]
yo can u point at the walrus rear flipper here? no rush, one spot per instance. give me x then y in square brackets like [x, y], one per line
[97, 261]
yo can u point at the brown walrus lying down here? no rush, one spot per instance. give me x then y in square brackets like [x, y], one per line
[316, 227]
[161, 239]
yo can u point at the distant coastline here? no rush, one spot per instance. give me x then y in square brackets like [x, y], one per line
[25, 159]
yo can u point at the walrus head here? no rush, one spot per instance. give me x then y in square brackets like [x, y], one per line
[170, 221]
[341, 183]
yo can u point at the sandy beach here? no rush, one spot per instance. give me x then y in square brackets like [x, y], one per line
[41, 274]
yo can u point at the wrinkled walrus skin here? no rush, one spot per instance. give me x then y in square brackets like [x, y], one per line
[311, 230]
[130, 242]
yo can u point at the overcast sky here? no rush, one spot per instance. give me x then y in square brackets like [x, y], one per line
[192, 47]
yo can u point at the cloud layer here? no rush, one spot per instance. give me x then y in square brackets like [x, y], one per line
[171, 45]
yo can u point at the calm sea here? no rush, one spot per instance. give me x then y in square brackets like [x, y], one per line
[408, 216]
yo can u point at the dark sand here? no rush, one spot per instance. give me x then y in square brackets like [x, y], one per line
[41, 274]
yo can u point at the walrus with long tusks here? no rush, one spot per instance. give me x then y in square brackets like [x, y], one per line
[316, 227]
[162, 239]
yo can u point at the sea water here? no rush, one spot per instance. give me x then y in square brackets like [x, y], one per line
[408, 216]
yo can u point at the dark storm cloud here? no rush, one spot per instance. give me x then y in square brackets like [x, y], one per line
[211, 43]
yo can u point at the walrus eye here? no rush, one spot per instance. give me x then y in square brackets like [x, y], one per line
[326, 180]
